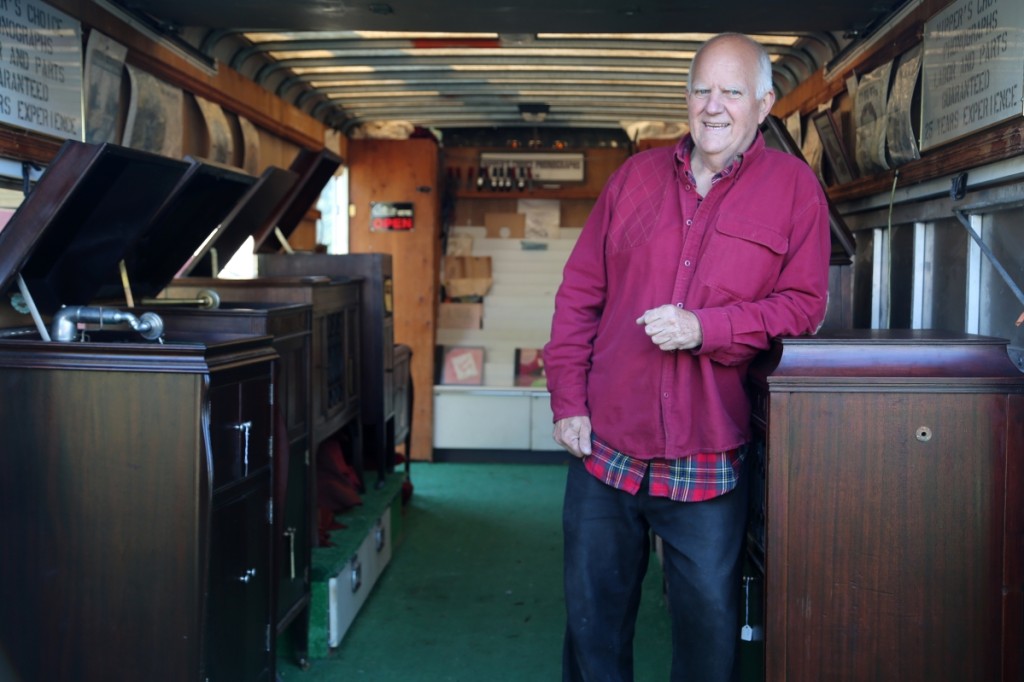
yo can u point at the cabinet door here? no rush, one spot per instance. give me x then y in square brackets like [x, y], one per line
[339, 345]
[352, 354]
[238, 632]
[296, 535]
[884, 545]
[240, 428]
[293, 384]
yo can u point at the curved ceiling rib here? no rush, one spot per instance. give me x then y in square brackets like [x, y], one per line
[481, 79]
[442, 63]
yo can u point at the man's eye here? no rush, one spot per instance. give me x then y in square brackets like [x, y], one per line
[735, 94]
[700, 93]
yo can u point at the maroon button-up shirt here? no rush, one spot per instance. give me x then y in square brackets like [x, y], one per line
[751, 261]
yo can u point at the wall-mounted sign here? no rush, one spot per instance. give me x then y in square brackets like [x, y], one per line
[972, 73]
[41, 69]
[390, 217]
[543, 167]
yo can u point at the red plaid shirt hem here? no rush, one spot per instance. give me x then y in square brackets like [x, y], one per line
[690, 479]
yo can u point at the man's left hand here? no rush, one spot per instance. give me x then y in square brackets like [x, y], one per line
[672, 328]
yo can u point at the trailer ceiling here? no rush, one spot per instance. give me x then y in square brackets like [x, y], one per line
[448, 63]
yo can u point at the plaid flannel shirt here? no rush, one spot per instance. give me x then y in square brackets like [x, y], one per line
[690, 479]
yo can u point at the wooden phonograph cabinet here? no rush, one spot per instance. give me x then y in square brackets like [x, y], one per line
[890, 530]
[290, 327]
[136, 469]
[377, 345]
[320, 366]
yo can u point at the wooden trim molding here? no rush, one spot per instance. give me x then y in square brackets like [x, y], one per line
[988, 146]
[24, 145]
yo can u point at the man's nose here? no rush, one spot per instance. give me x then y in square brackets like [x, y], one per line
[714, 101]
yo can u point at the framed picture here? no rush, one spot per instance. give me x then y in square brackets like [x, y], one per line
[530, 368]
[462, 365]
[825, 123]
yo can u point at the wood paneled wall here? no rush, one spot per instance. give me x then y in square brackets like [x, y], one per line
[404, 171]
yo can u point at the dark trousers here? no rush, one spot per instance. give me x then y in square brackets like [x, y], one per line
[607, 549]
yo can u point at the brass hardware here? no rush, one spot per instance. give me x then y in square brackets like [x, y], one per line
[206, 299]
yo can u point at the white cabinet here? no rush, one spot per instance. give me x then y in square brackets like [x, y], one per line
[516, 314]
[483, 418]
[541, 426]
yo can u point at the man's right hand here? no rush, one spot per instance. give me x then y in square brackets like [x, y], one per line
[573, 434]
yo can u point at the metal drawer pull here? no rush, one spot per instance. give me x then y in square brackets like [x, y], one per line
[291, 550]
[245, 427]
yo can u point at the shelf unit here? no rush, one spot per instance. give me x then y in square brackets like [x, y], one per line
[517, 309]
[516, 314]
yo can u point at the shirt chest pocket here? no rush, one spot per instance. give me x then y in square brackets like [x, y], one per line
[743, 259]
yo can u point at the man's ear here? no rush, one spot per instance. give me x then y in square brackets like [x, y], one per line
[765, 106]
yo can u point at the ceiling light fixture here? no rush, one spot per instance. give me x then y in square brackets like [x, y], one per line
[534, 112]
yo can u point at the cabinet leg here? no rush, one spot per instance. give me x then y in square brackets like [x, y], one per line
[300, 639]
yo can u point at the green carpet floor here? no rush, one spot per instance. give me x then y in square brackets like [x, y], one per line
[474, 589]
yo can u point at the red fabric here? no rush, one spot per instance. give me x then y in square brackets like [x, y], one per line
[337, 488]
[688, 479]
[331, 460]
[325, 524]
[336, 494]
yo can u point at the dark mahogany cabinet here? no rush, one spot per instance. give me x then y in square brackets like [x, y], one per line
[290, 327]
[334, 378]
[891, 527]
[377, 345]
[135, 489]
[137, 463]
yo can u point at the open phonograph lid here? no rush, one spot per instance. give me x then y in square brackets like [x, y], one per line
[97, 207]
[81, 219]
[191, 215]
[250, 216]
[313, 170]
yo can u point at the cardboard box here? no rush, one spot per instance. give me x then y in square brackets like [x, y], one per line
[505, 225]
[467, 276]
[459, 245]
[460, 316]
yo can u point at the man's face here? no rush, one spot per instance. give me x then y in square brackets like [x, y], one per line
[724, 111]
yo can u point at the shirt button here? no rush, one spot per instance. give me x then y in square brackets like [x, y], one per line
[664, 395]
[689, 222]
[679, 305]
[688, 188]
[686, 263]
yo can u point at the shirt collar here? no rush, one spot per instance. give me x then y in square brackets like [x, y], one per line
[684, 151]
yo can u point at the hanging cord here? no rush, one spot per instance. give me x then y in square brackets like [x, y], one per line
[888, 252]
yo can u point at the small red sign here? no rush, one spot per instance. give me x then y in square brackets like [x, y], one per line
[391, 217]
